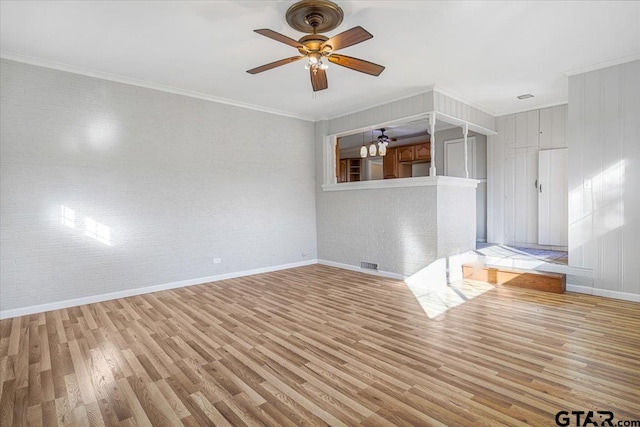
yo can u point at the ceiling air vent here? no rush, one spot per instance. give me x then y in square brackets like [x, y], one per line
[369, 265]
[525, 96]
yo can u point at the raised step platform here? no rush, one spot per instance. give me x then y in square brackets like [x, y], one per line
[529, 279]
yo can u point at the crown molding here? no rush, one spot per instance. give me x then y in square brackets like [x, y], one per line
[605, 64]
[142, 83]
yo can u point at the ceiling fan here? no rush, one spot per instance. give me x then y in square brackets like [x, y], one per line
[313, 16]
[384, 138]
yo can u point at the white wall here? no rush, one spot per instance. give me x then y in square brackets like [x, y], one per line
[479, 168]
[403, 230]
[178, 181]
[420, 169]
[604, 154]
[456, 226]
[395, 228]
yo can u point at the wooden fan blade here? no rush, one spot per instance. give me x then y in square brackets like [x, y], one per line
[348, 38]
[274, 64]
[279, 37]
[357, 64]
[318, 79]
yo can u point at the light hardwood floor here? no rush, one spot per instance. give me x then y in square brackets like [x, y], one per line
[318, 345]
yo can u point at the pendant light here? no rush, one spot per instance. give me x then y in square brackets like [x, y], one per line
[363, 149]
[373, 150]
[372, 147]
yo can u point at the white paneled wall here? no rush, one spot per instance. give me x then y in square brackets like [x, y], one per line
[553, 128]
[553, 199]
[513, 171]
[460, 110]
[410, 107]
[604, 176]
[155, 185]
[396, 110]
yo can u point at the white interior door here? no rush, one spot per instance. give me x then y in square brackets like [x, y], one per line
[552, 197]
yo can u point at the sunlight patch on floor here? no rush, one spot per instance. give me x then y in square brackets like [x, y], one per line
[436, 302]
[430, 285]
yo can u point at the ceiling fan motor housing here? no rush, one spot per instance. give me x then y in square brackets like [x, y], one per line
[312, 43]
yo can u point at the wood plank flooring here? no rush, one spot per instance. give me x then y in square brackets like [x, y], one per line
[318, 345]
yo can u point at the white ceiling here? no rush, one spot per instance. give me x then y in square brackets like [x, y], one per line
[486, 52]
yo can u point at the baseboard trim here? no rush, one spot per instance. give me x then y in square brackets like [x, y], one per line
[34, 309]
[579, 289]
[626, 296]
[380, 273]
[616, 294]
[24, 311]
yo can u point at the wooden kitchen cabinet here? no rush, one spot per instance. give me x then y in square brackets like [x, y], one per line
[415, 152]
[422, 152]
[390, 164]
[399, 160]
[406, 153]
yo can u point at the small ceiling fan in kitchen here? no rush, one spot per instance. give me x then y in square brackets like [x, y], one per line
[383, 140]
[313, 17]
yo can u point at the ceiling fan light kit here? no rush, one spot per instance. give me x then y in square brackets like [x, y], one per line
[313, 16]
[373, 151]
